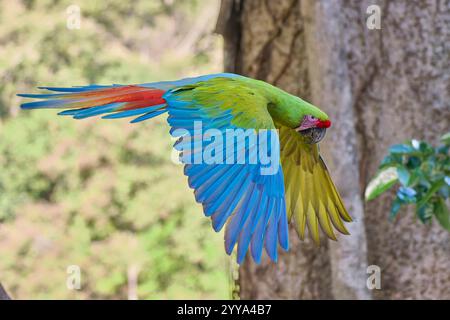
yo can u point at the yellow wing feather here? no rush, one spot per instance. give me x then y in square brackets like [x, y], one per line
[311, 196]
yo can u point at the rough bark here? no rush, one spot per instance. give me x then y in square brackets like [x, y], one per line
[331, 90]
[380, 87]
[400, 77]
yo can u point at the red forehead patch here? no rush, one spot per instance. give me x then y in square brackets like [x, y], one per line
[324, 124]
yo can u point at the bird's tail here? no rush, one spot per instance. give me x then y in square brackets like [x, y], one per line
[116, 101]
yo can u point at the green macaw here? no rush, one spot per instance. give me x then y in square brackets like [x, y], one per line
[255, 206]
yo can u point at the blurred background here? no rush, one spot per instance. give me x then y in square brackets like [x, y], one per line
[105, 197]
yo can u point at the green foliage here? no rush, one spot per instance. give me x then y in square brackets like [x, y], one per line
[103, 195]
[423, 174]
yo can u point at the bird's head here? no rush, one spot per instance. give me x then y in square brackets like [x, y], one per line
[308, 120]
[313, 127]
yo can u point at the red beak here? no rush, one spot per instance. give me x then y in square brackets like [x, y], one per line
[323, 123]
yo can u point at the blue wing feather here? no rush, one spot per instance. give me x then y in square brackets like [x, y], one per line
[247, 231]
[148, 115]
[133, 112]
[258, 228]
[283, 232]
[230, 203]
[253, 204]
[239, 219]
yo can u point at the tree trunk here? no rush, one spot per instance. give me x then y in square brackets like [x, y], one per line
[3, 294]
[375, 85]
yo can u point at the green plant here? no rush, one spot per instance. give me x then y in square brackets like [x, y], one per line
[423, 173]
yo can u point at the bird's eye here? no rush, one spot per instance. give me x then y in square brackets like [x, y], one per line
[312, 118]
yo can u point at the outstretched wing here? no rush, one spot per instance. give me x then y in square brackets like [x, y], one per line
[233, 191]
[311, 197]
[250, 203]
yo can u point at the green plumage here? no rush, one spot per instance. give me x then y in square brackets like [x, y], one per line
[255, 104]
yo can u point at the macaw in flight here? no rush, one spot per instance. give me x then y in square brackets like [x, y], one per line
[255, 207]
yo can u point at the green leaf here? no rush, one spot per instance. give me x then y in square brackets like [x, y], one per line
[396, 205]
[401, 148]
[424, 182]
[446, 138]
[414, 178]
[390, 161]
[424, 212]
[433, 189]
[443, 150]
[403, 175]
[407, 195]
[442, 214]
[444, 191]
[382, 182]
[414, 162]
[425, 148]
